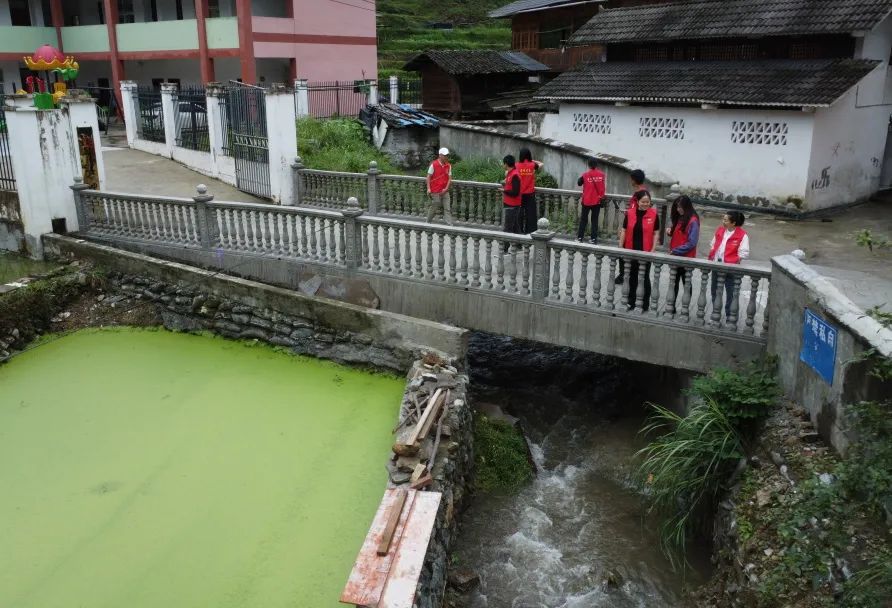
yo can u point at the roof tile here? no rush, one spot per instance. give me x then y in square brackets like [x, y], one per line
[460, 63]
[780, 83]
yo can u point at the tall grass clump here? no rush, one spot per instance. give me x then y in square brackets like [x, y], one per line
[686, 466]
[338, 144]
[690, 458]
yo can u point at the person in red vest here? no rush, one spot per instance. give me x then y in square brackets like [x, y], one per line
[593, 188]
[526, 168]
[439, 178]
[684, 233]
[639, 192]
[729, 245]
[639, 232]
[511, 197]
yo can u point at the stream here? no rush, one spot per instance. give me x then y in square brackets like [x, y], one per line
[582, 520]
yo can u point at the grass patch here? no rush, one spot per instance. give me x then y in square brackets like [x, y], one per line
[500, 456]
[338, 144]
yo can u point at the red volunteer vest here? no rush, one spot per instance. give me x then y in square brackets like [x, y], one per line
[680, 237]
[647, 229]
[527, 171]
[731, 247]
[592, 187]
[511, 201]
[440, 178]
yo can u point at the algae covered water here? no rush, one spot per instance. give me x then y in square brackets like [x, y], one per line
[143, 468]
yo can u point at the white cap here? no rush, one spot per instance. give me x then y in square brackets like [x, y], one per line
[444, 151]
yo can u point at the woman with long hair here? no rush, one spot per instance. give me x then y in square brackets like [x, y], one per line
[683, 233]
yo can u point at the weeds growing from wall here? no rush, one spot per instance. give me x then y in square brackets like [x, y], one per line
[500, 456]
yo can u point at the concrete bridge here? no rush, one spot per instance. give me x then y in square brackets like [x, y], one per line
[539, 287]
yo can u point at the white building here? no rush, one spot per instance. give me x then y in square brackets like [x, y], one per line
[763, 102]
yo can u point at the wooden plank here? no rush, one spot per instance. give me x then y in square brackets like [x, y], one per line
[371, 572]
[393, 518]
[428, 413]
[399, 591]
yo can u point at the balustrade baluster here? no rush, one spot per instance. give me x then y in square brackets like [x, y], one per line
[397, 245]
[643, 269]
[672, 293]
[304, 242]
[291, 234]
[764, 332]
[655, 290]
[155, 217]
[130, 225]
[500, 268]
[686, 297]
[313, 252]
[406, 268]
[179, 223]
[452, 258]
[419, 259]
[386, 248]
[441, 257]
[465, 243]
[374, 257]
[332, 243]
[163, 223]
[526, 251]
[323, 240]
[582, 297]
[231, 228]
[627, 269]
[718, 300]
[487, 281]
[429, 253]
[751, 306]
[278, 244]
[596, 287]
[735, 303]
[556, 275]
[701, 299]
[568, 283]
[475, 250]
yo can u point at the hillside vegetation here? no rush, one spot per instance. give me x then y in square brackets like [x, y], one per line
[405, 28]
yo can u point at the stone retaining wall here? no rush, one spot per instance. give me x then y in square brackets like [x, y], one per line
[453, 463]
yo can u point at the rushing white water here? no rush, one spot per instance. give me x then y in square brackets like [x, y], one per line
[553, 544]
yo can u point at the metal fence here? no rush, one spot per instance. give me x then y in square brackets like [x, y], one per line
[191, 118]
[246, 109]
[151, 115]
[225, 131]
[7, 175]
[408, 90]
[337, 98]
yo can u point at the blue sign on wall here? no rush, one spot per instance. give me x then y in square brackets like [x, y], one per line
[819, 346]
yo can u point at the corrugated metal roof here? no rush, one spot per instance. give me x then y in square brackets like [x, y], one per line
[698, 19]
[779, 83]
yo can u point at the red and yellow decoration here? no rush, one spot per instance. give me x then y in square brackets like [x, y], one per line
[48, 58]
[45, 59]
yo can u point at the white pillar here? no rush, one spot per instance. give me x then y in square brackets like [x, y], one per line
[302, 97]
[215, 109]
[281, 129]
[168, 105]
[82, 115]
[45, 161]
[130, 103]
[394, 89]
[373, 93]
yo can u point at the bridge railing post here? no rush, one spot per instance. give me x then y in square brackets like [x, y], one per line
[203, 216]
[373, 173]
[298, 166]
[352, 233]
[541, 264]
[83, 218]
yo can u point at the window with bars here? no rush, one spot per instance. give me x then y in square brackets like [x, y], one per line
[759, 133]
[661, 128]
[586, 122]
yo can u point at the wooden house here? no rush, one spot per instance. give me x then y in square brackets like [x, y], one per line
[459, 83]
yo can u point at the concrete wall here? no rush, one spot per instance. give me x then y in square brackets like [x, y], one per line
[795, 287]
[695, 146]
[404, 337]
[565, 161]
[647, 340]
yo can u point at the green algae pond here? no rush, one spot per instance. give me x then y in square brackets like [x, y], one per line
[14, 267]
[144, 468]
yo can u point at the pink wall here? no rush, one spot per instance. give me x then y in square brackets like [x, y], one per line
[322, 60]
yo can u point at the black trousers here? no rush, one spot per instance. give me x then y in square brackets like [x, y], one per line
[595, 213]
[530, 216]
[513, 220]
[633, 284]
[729, 292]
[680, 280]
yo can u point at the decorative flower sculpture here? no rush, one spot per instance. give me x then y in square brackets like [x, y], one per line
[48, 58]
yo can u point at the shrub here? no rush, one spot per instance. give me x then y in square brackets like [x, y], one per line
[500, 456]
[338, 144]
[744, 396]
[866, 473]
[491, 170]
[686, 467]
